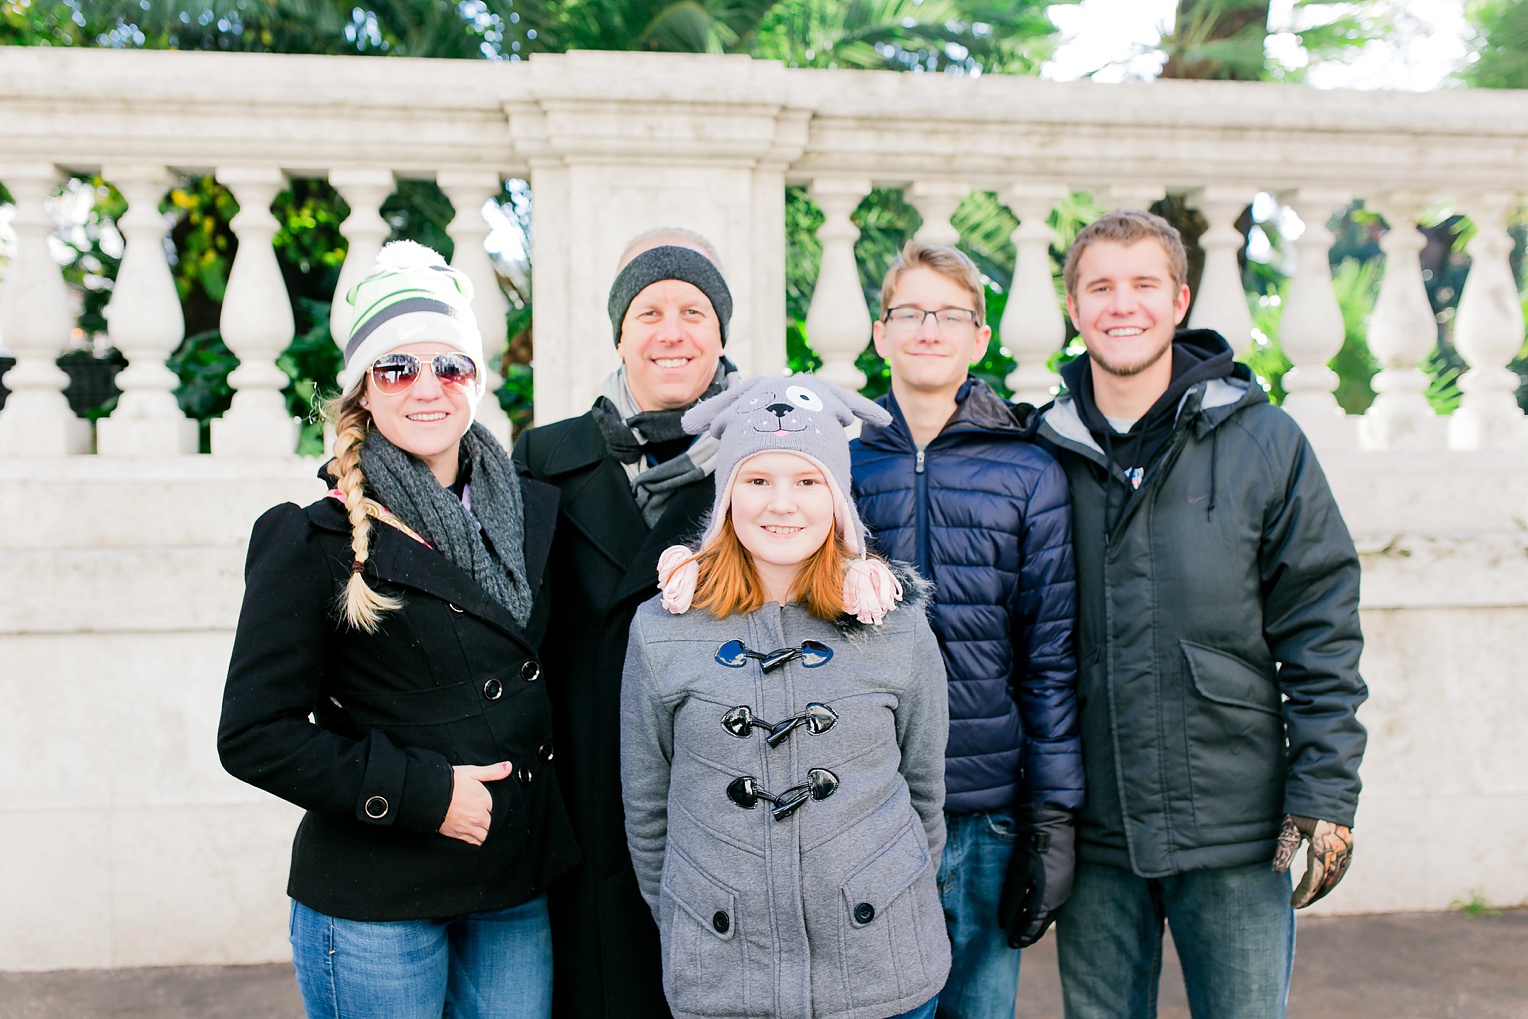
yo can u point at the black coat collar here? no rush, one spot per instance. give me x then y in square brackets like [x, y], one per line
[399, 559]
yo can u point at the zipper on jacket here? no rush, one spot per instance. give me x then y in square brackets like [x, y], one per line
[925, 556]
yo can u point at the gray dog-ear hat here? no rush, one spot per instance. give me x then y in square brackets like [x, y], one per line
[801, 414]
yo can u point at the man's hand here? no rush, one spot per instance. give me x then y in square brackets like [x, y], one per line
[1039, 878]
[1331, 850]
[471, 807]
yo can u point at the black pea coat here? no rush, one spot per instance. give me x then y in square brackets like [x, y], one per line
[448, 679]
[604, 562]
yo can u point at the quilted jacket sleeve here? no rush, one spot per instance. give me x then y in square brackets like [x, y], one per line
[1044, 623]
[647, 752]
[275, 679]
[1310, 575]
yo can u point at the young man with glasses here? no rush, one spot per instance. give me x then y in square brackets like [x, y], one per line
[956, 485]
[1218, 626]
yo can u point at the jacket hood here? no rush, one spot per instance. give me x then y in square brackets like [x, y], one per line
[1203, 363]
[977, 407]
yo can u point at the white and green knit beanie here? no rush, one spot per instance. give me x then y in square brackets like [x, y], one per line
[410, 296]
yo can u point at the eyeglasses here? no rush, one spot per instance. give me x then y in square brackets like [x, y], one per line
[907, 319]
[735, 654]
[395, 373]
[820, 784]
[818, 719]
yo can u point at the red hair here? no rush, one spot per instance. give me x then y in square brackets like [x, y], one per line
[728, 584]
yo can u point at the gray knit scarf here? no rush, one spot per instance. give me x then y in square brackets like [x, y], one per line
[617, 412]
[491, 508]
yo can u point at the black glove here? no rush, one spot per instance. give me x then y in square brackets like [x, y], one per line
[1039, 874]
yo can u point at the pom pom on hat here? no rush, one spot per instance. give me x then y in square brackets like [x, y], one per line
[678, 572]
[410, 296]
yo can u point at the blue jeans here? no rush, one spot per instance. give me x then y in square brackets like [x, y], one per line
[923, 1011]
[494, 965]
[984, 971]
[1233, 928]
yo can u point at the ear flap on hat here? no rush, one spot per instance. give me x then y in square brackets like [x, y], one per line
[707, 415]
[850, 405]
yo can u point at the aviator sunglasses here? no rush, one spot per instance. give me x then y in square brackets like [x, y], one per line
[395, 373]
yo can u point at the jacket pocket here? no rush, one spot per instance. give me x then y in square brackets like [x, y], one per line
[704, 971]
[889, 903]
[1235, 733]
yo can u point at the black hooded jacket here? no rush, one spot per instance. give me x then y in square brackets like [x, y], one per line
[1218, 637]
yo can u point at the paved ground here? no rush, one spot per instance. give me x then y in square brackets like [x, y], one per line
[1403, 966]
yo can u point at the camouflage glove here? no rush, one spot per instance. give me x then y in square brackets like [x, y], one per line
[1039, 878]
[1331, 850]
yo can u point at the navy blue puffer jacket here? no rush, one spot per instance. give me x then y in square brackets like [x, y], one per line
[984, 514]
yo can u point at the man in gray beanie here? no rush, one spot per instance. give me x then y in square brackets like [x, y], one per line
[633, 482]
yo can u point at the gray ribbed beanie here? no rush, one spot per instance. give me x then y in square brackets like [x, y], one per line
[669, 262]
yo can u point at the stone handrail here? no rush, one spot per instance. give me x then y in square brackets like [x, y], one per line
[614, 143]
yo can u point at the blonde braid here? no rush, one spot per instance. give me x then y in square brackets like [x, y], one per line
[361, 606]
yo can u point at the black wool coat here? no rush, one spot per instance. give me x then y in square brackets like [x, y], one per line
[604, 562]
[449, 679]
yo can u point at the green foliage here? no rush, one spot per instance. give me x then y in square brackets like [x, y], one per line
[1500, 59]
[438, 28]
[968, 36]
[1477, 907]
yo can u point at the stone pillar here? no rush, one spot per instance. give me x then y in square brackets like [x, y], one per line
[1033, 327]
[256, 323]
[468, 192]
[838, 322]
[1311, 329]
[364, 191]
[1489, 333]
[35, 327]
[1402, 332]
[1221, 303]
[145, 323]
[936, 201]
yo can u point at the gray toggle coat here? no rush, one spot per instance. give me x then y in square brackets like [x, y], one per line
[834, 910]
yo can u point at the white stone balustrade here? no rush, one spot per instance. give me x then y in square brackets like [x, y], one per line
[1311, 329]
[145, 323]
[256, 323]
[1032, 327]
[120, 574]
[1221, 303]
[1489, 333]
[35, 326]
[838, 323]
[1402, 331]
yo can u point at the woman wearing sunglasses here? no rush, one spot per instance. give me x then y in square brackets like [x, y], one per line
[783, 733]
[384, 677]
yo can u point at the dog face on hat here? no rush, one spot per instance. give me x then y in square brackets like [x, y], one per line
[778, 408]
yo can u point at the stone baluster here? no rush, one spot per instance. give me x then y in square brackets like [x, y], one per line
[936, 201]
[364, 191]
[468, 192]
[1221, 303]
[1032, 327]
[1489, 333]
[145, 323]
[34, 326]
[838, 322]
[1130, 195]
[1402, 332]
[256, 323]
[1311, 330]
